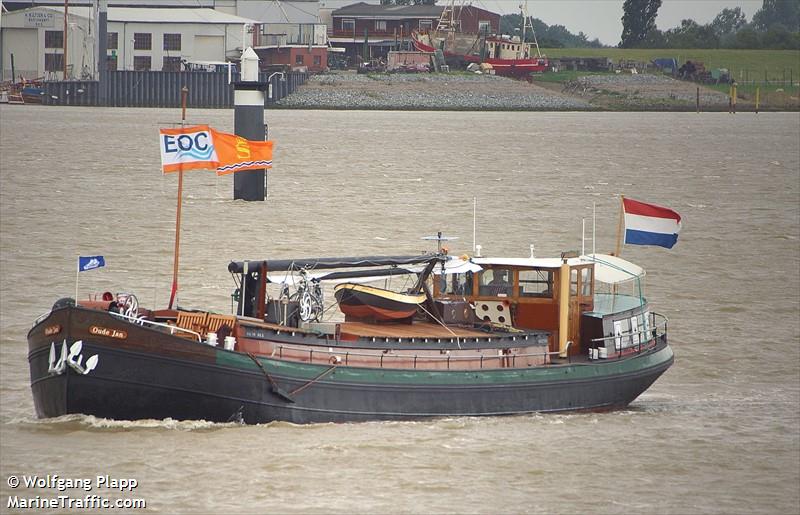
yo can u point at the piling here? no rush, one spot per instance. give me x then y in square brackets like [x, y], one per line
[248, 122]
[102, 61]
[698, 100]
[758, 97]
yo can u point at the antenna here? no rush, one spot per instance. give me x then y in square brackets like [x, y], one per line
[439, 238]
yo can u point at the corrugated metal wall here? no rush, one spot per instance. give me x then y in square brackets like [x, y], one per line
[163, 89]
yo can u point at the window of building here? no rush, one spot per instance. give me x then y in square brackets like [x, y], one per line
[141, 62]
[349, 25]
[54, 62]
[112, 40]
[536, 283]
[142, 41]
[380, 25]
[171, 64]
[484, 27]
[425, 24]
[172, 41]
[298, 59]
[54, 39]
[317, 60]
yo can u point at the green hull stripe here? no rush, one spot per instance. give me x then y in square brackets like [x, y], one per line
[596, 370]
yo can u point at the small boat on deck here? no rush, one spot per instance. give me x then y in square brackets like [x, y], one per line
[560, 334]
[365, 302]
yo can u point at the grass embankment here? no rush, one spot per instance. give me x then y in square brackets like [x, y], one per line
[745, 65]
[774, 73]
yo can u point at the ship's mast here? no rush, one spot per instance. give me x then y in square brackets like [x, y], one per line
[527, 23]
[449, 23]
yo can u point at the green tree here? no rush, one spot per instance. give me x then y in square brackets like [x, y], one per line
[638, 19]
[728, 21]
[691, 34]
[778, 12]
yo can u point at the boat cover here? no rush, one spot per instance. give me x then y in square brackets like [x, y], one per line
[614, 270]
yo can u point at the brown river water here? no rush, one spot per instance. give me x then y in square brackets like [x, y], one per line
[718, 433]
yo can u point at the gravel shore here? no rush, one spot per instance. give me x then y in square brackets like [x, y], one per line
[647, 91]
[425, 91]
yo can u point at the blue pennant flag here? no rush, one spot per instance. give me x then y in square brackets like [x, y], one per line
[86, 263]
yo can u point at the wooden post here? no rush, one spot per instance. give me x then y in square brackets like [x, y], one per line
[698, 99]
[758, 94]
[176, 257]
[733, 97]
[563, 309]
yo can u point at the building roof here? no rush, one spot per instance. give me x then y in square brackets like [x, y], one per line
[365, 10]
[154, 15]
[173, 15]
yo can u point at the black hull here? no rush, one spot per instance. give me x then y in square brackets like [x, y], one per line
[153, 375]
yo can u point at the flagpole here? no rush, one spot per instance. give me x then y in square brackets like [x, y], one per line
[77, 274]
[618, 250]
[184, 94]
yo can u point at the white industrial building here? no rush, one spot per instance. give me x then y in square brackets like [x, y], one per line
[138, 39]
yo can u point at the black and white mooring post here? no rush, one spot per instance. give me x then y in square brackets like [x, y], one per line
[248, 122]
[102, 51]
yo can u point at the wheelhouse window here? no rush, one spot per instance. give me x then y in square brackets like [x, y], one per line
[172, 41]
[458, 284]
[142, 41]
[536, 283]
[349, 25]
[380, 25]
[573, 281]
[54, 39]
[425, 24]
[495, 282]
[586, 282]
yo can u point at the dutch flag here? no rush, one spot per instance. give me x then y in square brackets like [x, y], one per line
[648, 224]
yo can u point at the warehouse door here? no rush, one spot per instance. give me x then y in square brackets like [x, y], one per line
[24, 44]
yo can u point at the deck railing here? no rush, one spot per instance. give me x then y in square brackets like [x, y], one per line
[384, 359]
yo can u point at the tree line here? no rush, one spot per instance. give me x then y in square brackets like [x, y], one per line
[776, 26]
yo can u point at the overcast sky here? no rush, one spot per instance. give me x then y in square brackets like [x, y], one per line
[602, 18]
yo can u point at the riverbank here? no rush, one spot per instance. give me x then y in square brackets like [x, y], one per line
[471, 92]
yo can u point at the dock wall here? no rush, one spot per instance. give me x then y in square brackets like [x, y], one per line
[163, 89]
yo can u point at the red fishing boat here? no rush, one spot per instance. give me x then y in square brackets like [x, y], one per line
[508, 56]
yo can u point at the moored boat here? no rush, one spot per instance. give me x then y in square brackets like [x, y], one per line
[507, 55]
[495, 336]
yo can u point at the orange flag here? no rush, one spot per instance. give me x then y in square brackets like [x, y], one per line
[201, 147]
